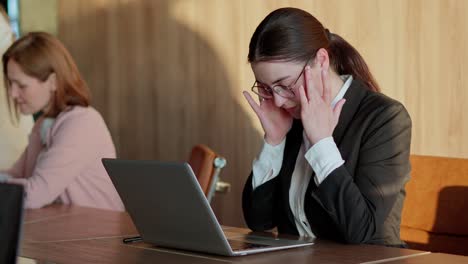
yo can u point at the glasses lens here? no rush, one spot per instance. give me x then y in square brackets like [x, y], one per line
[283, 91]
[262, 92]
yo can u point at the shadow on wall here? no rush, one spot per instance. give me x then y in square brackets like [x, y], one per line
[160, 87]
[450, 231]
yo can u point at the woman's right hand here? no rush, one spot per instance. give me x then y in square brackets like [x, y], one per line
[275, 121]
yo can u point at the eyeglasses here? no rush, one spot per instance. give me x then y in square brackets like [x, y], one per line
[285, 91]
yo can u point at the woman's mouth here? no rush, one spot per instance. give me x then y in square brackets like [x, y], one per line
[291, 110]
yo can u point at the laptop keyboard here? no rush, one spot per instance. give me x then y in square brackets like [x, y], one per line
[237, 245]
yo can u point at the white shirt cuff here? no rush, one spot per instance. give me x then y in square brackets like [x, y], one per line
[268, 164]
[324, 157]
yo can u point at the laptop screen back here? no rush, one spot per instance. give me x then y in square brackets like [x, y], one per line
[167, 204]
[11, 209]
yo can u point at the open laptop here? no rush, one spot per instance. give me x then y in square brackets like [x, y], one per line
[169, 209]
[11, 216]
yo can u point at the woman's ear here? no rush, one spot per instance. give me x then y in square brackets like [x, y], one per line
[52, 82]
[322, 59]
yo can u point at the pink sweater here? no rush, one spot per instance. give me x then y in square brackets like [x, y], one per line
[67, 168]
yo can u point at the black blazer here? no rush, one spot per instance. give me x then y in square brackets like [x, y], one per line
[360, 201]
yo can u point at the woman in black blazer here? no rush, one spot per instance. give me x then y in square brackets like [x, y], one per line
[336, 153]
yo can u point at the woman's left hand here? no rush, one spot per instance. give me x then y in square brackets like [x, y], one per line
[318, 117]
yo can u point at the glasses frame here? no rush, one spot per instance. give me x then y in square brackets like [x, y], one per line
[285, 91]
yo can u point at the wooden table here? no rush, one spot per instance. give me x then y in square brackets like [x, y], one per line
[433, 258]
[67, 234]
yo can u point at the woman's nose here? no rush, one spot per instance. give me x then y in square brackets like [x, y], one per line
[279, 100]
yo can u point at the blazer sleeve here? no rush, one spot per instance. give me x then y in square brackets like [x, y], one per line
[73, 147]
[360, 201]
[259, 205]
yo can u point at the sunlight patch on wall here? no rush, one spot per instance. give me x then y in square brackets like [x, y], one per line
[225, 44]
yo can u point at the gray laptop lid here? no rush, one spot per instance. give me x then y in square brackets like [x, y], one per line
[165, 207]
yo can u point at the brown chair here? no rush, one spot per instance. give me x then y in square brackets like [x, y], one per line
[435, 213]
[207, 165]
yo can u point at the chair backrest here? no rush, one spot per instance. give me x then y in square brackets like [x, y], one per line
[11, 211]
[204, 162]
[435, 213]
[201, 160]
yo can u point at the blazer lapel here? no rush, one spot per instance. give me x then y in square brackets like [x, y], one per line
[356, 92]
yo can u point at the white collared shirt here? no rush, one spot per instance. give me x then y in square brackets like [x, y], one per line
[322, 158]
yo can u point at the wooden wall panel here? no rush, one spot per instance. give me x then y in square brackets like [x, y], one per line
[168, 74]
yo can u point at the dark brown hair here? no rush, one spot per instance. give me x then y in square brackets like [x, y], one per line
[39, 54]
[292, 34]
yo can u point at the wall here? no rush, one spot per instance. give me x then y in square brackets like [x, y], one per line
[38, 15]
